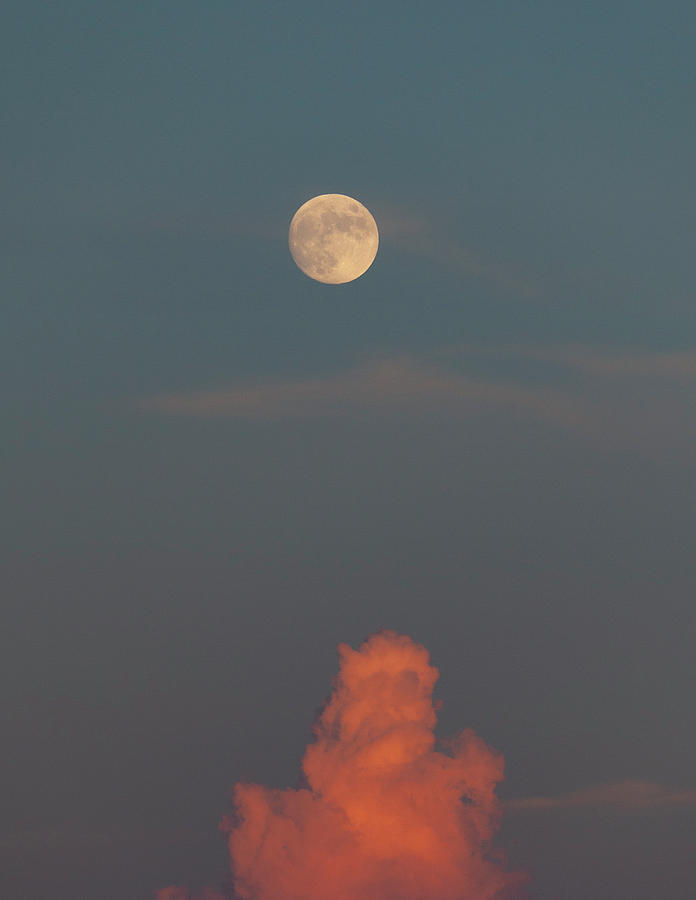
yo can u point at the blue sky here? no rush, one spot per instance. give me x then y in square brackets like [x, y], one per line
[497, 456]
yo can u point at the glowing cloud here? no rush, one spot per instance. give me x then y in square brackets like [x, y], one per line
[384, 813]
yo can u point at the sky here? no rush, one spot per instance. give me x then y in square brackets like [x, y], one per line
[215, 470]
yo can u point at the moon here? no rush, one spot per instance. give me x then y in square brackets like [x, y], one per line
[333, 238]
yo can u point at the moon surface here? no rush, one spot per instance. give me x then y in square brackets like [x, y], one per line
[333, 238]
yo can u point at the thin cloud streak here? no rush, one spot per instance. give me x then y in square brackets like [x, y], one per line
[415, 234]
[678, 364]
[624, 795]
[615, 401]
[397, 385]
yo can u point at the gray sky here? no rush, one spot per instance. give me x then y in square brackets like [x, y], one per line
[215, 469]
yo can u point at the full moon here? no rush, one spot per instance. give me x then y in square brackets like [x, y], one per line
[333, 238]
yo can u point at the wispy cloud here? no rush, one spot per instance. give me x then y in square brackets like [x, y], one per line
[623, 795]
[432, 240]
[601, 362]
[638, 402]
[679, 365]
[399, 384]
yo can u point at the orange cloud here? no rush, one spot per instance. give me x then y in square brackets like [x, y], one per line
[384, 814]
[173, 893]
[181, 893]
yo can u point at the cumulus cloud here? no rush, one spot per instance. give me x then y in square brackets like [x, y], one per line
[384, 809]
[385, 812]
